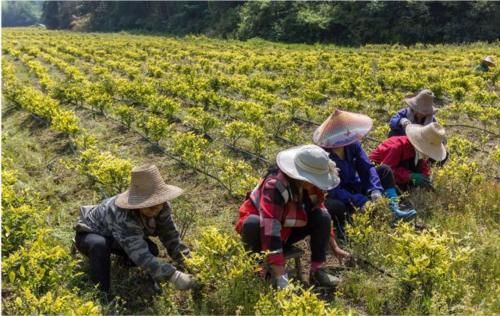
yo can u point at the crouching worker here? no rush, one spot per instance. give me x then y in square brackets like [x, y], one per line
[286, 206]
[420, 110]
[408, 155]
[121, 224]
[360, 180]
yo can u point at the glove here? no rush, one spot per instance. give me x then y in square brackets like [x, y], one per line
[183, 281]
[282, 281]
[418, 179]
[404, 122]
[375, 195]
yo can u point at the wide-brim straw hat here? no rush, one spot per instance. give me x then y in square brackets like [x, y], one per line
[342, 128]
[309, 163]
[489, 60]
[422, 102]
[428, 139]
[146, 189]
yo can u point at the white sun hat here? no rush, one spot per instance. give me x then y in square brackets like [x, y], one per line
[489, 60]
[309, 163]
[146, 189]
[428, 139]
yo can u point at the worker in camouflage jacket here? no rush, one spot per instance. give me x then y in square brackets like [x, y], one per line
[121, 225]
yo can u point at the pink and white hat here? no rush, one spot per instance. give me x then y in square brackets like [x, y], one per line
[342, 128]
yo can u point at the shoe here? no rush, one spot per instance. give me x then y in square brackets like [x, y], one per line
[404, 215]
[322, 278]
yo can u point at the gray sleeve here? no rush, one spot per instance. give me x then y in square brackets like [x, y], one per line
[129, 234]
[169, 235]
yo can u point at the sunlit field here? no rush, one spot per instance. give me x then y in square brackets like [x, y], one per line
[80, 110]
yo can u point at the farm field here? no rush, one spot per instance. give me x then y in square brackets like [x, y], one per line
[79, 110]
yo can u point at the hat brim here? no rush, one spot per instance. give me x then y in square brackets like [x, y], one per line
[490, 63]
[436, 152]
[340, 139]
[166, 193]
[329, 136]
[286, 162]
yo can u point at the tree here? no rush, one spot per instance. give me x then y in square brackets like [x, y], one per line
[18, 13]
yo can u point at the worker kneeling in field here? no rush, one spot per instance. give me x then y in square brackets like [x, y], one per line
[360, 180]
[286, 206]
[408, 155]
[120, 224]
[420, 110]
[485, 65]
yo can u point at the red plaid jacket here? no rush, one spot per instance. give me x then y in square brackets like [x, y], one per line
[279, 212]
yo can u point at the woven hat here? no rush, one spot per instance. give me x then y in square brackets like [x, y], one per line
[309, 163]
[422, 102]
[489, 60]
[342, 128]
[428, 139]
[146, 189]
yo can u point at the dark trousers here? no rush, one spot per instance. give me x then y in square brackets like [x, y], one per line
[318, 227]
[99, 249]
[342, 212]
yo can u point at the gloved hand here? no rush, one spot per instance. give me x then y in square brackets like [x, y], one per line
[404, 122]
[183, 281]
[282, 281]
[375, 195]
[418, 179]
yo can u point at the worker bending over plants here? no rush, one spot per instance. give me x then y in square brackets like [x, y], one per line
[360, 180]
[286, 206]
[121, 225]
[408, 156]
[420, 110]
[484, 65]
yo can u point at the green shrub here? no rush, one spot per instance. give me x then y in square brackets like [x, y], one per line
[429, 264]
[229, 274]
[294, 300]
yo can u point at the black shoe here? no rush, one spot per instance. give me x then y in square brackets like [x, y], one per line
[322, 278]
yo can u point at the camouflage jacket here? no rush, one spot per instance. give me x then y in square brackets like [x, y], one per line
[129, 229]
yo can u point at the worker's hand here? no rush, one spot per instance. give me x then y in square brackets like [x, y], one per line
[183, 281]
[282, 281]
[375, 195]
[404, 122]
[419, 179]
[338, 252]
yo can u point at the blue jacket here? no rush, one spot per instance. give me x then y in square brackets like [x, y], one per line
[397, 129]
[358, 176]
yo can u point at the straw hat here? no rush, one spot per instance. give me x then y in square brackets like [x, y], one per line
[489, 60]
[428, 139]
[146, 189]
[309, 163]
[423, 102]
[342, 128]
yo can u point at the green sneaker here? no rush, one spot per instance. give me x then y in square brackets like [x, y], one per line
[323, 279]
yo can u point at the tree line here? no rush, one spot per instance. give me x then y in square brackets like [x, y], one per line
[345, 23]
